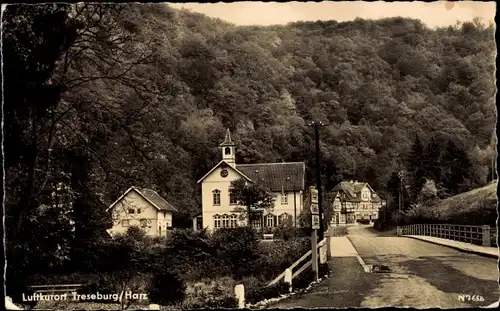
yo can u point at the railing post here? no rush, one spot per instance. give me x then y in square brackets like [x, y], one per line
[486, 236]
[239, 292]
[322, 254]
[397, 230]
[328, 247]
[288, 279]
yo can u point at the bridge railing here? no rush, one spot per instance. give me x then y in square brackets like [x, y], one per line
[478, 235]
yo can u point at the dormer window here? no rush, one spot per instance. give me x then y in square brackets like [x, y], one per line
[227, 151]
[216, 197]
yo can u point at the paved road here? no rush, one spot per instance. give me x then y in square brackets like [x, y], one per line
[422, 275]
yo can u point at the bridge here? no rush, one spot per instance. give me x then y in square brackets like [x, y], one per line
[372, 269]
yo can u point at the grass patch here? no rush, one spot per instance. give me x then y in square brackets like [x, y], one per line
[475, 207]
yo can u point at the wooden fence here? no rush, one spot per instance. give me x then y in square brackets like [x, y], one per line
[478, 235]
[299, 266]
[57, 289]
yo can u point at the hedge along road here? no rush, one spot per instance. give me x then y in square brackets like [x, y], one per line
[420, 275]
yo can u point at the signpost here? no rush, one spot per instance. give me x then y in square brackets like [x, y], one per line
[315, 223]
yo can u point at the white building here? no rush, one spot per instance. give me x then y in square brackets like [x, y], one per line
[354, 200]
[143, 208]
[219, 208]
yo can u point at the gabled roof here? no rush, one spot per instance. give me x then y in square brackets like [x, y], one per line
[352, 190]
[219, 164]
[158, 200]
[287, 176]
[149, 195]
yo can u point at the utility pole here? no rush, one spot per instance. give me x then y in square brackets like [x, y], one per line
[401, 202]
[318, 178]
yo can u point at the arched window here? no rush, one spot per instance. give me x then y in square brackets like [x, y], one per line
[234, 221]
[227, 151]
[270, 220]
[216, 221]
[225, 221]
[216, 195]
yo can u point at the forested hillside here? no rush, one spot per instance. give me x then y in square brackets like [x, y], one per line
[141, 95]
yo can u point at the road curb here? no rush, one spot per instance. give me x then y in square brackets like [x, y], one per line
[455, 248]
[366, 268]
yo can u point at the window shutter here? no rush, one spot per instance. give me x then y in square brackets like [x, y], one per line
[275, 220]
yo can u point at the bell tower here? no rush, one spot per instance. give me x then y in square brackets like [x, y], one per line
[228, 150]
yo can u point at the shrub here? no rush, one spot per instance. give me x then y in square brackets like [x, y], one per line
[278, 255]
[256, 290]
[103, 284]
[285, 230]
[237, 249]
[191, 254]
[210, 294]
[303, 280]
[166, 288]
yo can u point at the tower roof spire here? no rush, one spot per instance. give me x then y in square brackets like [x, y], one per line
[227, 140]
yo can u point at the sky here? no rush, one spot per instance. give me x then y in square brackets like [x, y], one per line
[434, 14]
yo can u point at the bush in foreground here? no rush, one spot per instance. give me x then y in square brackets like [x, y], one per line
[210, 294]
[166, 288]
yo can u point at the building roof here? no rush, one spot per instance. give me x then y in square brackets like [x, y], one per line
[151, 196]
[158, 200]
[287, 176]
[352, 190]
[227, 165]
[227, 140]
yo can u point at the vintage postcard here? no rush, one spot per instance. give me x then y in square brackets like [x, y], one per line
[249, 155]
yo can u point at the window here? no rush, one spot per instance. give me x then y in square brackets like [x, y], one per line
[256, 223]
[227, 151]
[144, 223]
[216, 221]
[232, 198]
[225, 221]
[131, 211]
[284, 217]
[138, 211]
[234, 221]
[284, 198]
[270, 220]
[216, 194]
[125, 223]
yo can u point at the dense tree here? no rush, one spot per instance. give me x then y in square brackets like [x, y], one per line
[252, 196]
[416, 168]
[457, 168]
[141, 95]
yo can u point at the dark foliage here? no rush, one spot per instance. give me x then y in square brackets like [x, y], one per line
[166, 288]
[239, 248]
[259, 291]
[97, 87]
